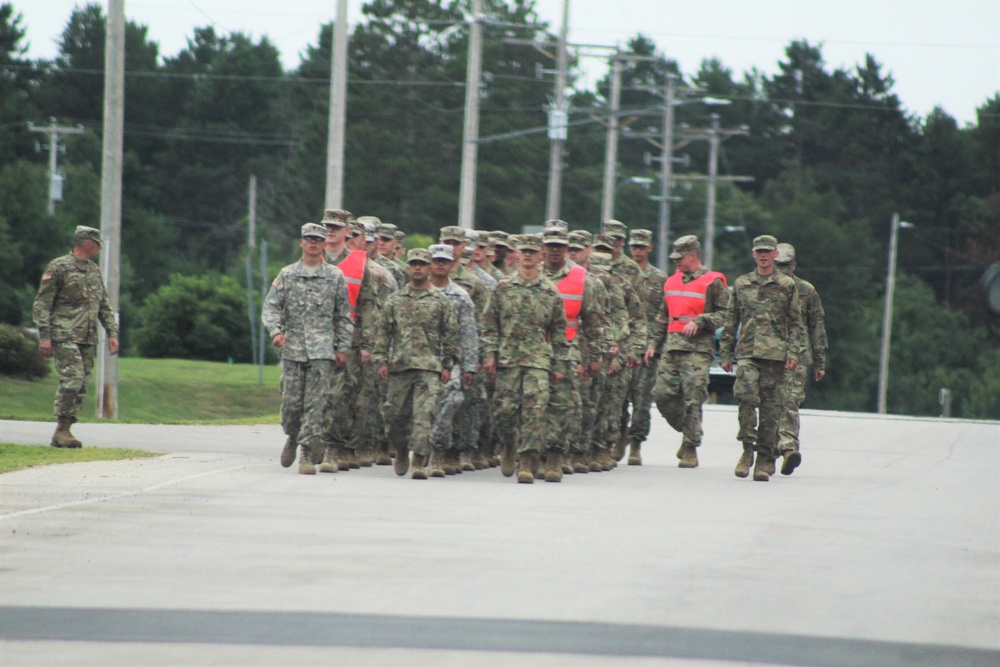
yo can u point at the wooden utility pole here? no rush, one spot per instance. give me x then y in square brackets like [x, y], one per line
[611, 150]
[558, 118]
[338, 110]
[55, 181]
[470, 134]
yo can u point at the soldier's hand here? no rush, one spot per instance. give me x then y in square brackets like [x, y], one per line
[650, 353]
[818, 374]
[557, 377]
[631, 362]
[790, 364]
[383, 372]
[491, 368]
[614, 350]
[690, 329]
[366, 356]
[278, 340]
[581, 372]
[445, 376]
[45, 348]
[113, 346]
[613, 368]
[339, 359]
[727, 366]
[594, 369]
[468, 378]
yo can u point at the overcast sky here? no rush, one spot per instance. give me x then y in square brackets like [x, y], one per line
[940, 53]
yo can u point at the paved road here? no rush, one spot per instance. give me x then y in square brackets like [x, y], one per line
[882, 549]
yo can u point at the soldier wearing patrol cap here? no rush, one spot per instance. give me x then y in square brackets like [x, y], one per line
[764, 309]
[307, 316]
[477, 245]
[501, 243]
[71, 300]
[383, 250]
[692, 306]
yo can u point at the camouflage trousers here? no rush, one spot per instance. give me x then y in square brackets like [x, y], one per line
[450, 399]
[591, 390]
[640, 396]
[612, 403]
[465, 418]
[564, 413]
[680, 391]
[305, 389]
[795, 393]
[74, 363]
[338, 420]
[759, 386]
[519, 403]
[481, 435]
[411, 404]
[366, 417]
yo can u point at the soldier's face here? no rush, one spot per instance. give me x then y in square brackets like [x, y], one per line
[336, 235]
[764, 258]
[441, 267]
[419, 272]
[479, 253]
[579, 255]
[555, 254]
[530, 259]
[312, 246]
[92, 248]
[687, 263]
[640, 253]
[386, 247]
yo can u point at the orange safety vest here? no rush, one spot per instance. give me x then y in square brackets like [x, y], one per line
[571, 290]
[686, 301]
[353, 268]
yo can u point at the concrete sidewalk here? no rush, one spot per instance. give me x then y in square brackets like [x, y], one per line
[882, 549]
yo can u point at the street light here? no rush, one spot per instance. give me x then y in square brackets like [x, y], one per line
[890, 288]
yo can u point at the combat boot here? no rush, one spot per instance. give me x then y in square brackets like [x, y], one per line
[329, 462]
[769, 466]
[365, 457]
[634, 455]
[525, 469]
[62, 437]
[539, 466]
[746, 460]
[507, 459]
[382, 457]
[465, 462]
[594, 461]
[450, 462]
[580, 463]
[288, 452]
[617, 450]
[419, 461]
[479, 460]
[553, 466]
[306, 465]
[792, 459]
[401, 463]
[566, 463]
[351, 457]
[689, 457]
[606, 461]
[434, 467]
[340, 456]
[760, 473]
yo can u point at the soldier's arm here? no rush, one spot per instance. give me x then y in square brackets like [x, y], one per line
[383, 336]
[451, 351]
[593, 325]
[367, 313]
[716, 305]
[106, 315]
[730, 324]
[658, 328]
[561, 350]
[796, 332]
[817, 332]
[638, 328]
[41, 311]
[490, 338]
[343, 327]
[274, 307]
[468, 335]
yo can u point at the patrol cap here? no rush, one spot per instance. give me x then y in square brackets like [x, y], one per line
[580, 239]
[615, 229]
[640, 237]
[357, 229]
[83, 233]
[561, 224]
[484, 240]
[599, 260]
[786, 253]
[442, 251]
[422, 255]
[501, 239]
[387, 231]
[452, 233]
[370, 229]
[400, 235]
[684, 245]
[765, 242]
[555, 236]
[604, 240]
[313, 230]
[528, 242]
[336, 217]
[472, 236]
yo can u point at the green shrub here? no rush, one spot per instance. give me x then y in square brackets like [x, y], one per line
[19, 355]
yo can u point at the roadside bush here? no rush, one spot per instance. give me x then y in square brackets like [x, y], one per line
[19, 355]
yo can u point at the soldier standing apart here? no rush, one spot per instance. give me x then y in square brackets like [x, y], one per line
[764, 309]
[640, 387]
[416, 346]
[693, 305]
[71, 300]
[815, 354]
[524, 346]
[307, 315]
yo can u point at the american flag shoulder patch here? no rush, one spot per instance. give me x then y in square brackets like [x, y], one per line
[47, 276]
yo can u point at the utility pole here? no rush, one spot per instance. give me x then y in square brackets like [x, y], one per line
[338, 110]
[470, 134]
[111, 196]
[611, 152]
[251, 245]
[666, 166]
[558, 117]
[55, 180]
[890, 289]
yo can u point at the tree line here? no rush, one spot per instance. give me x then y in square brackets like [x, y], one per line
[832, 153]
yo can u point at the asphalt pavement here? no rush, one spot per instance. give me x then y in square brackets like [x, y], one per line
[883, 548]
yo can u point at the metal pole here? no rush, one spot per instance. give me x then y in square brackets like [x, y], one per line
[111, 195]
[556, 150]
[470, 149]
[251, 244]
[666, 166]
[713, 171]
[338, 110]
[53, 166]
[890, 288]
[611, 152]
[261, 337]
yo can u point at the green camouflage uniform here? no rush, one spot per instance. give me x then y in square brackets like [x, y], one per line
[417, 339]
[469, 417]
[524, 333]
[766, 312]
[308, 304]
[71, 300]
[468, 339]
[627, 274]
[682, 378]
[640, 389]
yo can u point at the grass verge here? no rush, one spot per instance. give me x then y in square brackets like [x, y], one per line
[16, 457]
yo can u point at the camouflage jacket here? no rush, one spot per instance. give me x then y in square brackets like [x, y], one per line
[497, 274]
[525, 325]
[590, 341]
[471, 283]
[374, 291]
[716, 305]
[635, 346]
[398, 274]
[650, 291]
[417, 332]
[766, 312]
[812, 318]
[71, 300]
[309, 305]
[617, 329]
[488, 281]
[468, 336]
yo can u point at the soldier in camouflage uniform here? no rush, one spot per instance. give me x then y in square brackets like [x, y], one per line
[524, 346]
[415, 349]
[764, 309]
[583, 303]
[71, 300]
[640, 388]
[490, 255]
[501, 246]
[692, 305]
[815, 353]
[400, 252]
[307, 315]
[385, 245]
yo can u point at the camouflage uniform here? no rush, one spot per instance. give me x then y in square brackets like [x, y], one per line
[468, 414]
[71, 300]
[308, 304]
[766, 312]
[468, 338]
[417, 339]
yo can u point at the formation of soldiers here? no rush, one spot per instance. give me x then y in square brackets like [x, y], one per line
[537, 353]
